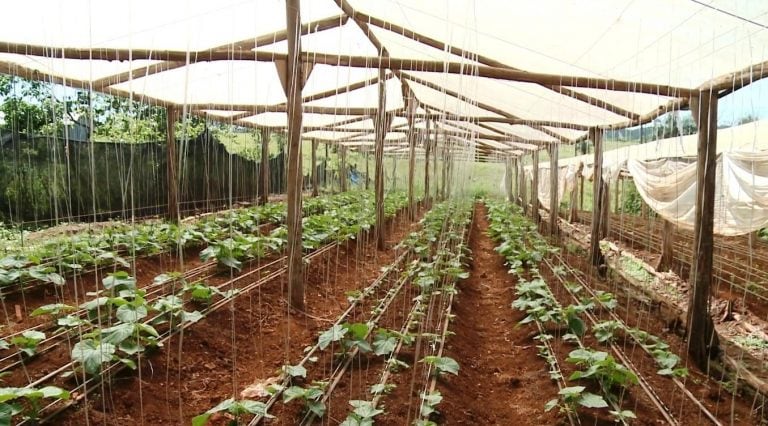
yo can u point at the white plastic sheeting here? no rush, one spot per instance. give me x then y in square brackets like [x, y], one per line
[664, 172]
[741, 191]
[664, 42]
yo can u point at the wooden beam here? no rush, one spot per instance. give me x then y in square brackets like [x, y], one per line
[487, 107]
[472, 56]
[264, 165]
[598, 187]
[172, 116]
[354, 61]
[295, 288]
[554, 203]
[343, 177]
[703, 342]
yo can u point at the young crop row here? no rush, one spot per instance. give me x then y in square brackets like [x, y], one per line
[121, 321]
[432, 262]
[593, 369]
[51, 261]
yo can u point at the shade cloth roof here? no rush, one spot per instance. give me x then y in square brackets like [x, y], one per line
[460, 59]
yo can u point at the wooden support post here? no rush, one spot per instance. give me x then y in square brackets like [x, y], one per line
[667, 247]
[554, 202]
[343, 172]
[264, 165]
[598, 198]
[293, 94]
[575, 196]
[172, 115]
[703, 342]
[315, 189]
[616, 205]
[367, 174]
[427, 151]
[581, 191]
[444, 169]
[394, 172]
[535, 189]
[434, 167]
[521, 182]
[410, 111]
[382, 125]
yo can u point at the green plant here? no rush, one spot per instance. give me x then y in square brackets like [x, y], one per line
[573, 396]
[11, 402]
[603, 369]
[442, 364]
[362, 414]
[310, 396]
[428, 403]
[27, 342]
[236, 408]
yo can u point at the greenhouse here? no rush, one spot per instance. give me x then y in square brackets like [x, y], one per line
[359, 212]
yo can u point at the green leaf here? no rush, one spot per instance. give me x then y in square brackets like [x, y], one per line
[53, 309]
[201, 420]
[334, 334]
[192, 317]
[591, 400]
[571, 391]
[384, 344]
[295, 370]
[130, 313]
[552, 403]
[443, 364]
[91, 354]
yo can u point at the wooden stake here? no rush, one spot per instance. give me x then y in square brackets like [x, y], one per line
[667, 247]
[264, 165]
[410, 110]
[703, 342]
[554, 203]
[367, 174]
[535, 189]
[315, 189]
[293, 95]
[343, 173]
[598, 197]
[172, 115]
[575, 198]
[427, 151]
[382, 125]
[434, 165]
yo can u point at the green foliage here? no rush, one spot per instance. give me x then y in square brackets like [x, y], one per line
[236, 408]
[11, 402]
[27, 342]
[362, 414]
[442, 364]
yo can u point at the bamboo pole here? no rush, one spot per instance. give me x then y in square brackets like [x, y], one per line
[343, 173]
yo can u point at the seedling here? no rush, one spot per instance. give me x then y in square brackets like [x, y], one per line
[362, 415]
[28, 341]
[235, 408]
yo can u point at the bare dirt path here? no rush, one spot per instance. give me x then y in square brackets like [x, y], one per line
[502, 381]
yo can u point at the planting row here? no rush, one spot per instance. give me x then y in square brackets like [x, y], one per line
[602, 376]
[123, 321]
[51, 260]
[372, 332]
